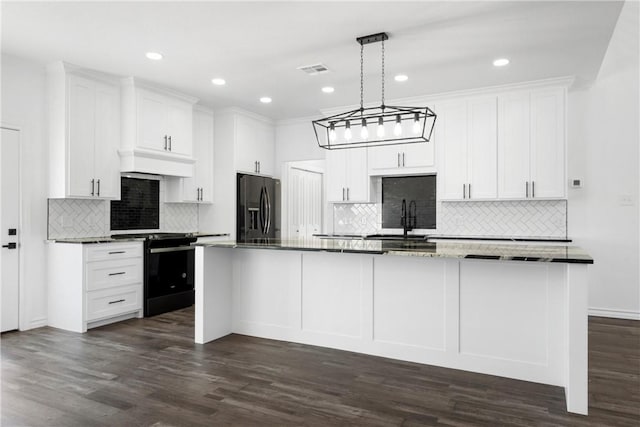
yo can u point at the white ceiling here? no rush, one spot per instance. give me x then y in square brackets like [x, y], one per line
[257, 46]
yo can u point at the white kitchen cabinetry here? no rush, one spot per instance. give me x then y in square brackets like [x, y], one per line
[401, 159]
[531, 144]
[255, 145]
[468, 137]
[94, 284]
[84, 124]
[347, 179]
[157, 130]
[199, 188]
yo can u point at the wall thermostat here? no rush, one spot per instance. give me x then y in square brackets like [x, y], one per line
[576, 183]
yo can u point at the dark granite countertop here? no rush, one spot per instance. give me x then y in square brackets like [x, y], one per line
[466, 250]
[448, 237]
[110, 239]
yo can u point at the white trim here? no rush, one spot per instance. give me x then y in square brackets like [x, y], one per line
[298, 120]
[66, 67]
[614, 313]
[137, 83]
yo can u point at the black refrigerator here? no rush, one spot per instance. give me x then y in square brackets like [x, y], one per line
[258, 208]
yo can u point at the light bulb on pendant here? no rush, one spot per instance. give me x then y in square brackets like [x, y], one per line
[364, 132]
[416, 123]
[332, 132]
[380, 131]
[347, 131]
[397, 129]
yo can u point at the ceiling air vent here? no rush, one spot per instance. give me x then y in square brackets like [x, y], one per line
[314, 69]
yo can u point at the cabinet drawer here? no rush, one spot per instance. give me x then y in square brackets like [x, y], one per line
[112, 273]
[106, 251]
[113, 302]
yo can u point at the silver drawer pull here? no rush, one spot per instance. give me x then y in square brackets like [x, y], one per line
[116, 274]
[117, 252]
[116, 301]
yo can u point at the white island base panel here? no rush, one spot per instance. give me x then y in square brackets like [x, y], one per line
[521, 320]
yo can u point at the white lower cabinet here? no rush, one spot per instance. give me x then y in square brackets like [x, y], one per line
[94, 284]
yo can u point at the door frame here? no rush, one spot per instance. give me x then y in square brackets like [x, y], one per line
[22, 323]
[285, 192]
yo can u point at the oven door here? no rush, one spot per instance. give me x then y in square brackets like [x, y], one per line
[170, 271]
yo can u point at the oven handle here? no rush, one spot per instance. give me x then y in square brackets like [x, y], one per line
[176, 249]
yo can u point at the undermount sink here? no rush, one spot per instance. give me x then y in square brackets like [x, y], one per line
[395, 237]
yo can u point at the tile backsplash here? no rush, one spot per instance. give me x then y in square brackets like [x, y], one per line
[522, 218]
[69, 218]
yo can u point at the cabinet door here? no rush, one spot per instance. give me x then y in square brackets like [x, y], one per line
[107, 137]
[452, 139]
[152, 121]
[82, 127]
[482, 148]
[179, 127]
[547, 143]
[336, 175]
[385, 157]
[419, 155]
[246, 135]
[513, 145]
[357, 179]
[203, 146]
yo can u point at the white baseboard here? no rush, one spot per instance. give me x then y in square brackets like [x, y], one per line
[616, 314]
[38, 322]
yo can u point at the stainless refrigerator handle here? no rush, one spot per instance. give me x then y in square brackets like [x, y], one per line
[176, 249]
[268, 210]
[262, 211]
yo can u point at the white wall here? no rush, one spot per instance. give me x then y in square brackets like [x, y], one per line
[295, 140]
[23, 105]
[603, 151]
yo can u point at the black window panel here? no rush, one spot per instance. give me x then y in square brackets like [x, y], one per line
[421, 189]
[138, 207]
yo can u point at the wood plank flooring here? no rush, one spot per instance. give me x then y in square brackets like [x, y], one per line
[148, 372]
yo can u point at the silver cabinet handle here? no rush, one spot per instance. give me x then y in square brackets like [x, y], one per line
[117, 274]
[402, 159]
[98, 192]
[116, 301]
[93, 185]
[398, 159]
[169, 143]
[343, 194]
[533, 189]
[165, 142]
[116, 252]
[255, 166]
[526, 191]
[464, 191]
[259, 166]
[176, 249]
[469, 190]
[347, 193]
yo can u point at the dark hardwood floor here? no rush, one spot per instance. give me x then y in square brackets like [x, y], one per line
[148, 372]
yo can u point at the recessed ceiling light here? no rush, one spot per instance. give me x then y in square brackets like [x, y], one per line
[501, 62]
[155, 56]
[401, 78]
[328, 89]
[265, 100]
[218, 81]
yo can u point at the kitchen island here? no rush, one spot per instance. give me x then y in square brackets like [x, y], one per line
[517, 311]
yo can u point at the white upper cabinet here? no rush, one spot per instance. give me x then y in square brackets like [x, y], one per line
[347, 179]
[451, 134]
[548, 176]
[255, 145]
[157, 133]
[481, 152]
[84, 125]
[531, 145]
[199, 188]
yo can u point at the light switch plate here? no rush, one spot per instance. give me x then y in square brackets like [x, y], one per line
[626, 200]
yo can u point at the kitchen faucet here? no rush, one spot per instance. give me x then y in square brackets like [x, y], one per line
[408, 218]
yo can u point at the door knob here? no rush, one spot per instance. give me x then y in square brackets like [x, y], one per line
[11, 245]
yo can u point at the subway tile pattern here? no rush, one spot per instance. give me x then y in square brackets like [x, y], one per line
[522, 218]
[179, 217]
[78, 218]
[355, 218]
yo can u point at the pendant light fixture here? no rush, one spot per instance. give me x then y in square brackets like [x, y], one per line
[374, 126]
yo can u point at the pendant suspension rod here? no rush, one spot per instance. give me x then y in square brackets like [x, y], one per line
[361, 76]
[383, 74]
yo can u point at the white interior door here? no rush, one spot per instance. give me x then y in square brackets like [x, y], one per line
[305, 203]
[9, 221]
